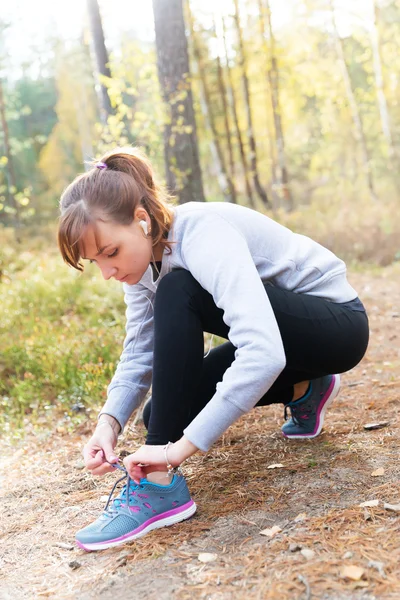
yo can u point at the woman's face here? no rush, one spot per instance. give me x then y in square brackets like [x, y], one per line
[120, 251]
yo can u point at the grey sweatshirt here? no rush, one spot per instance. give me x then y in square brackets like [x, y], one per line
[230, 250]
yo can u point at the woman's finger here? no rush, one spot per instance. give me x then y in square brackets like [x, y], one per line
[102, 470]
[92, 462]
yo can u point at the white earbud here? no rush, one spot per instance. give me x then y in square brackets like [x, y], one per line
[145, 227]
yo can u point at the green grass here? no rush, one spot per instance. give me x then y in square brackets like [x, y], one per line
[61, 334]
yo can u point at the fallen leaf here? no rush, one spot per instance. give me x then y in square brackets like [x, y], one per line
[351, 572]
[276, 466]
[372, 426]
[393, 507]
[271, 532]
[378, 473]
[369, 503]
[206, 557]
[307, 553]
[64, 546]
[300, 517]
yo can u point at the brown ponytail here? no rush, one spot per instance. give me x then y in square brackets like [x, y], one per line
[111, 191]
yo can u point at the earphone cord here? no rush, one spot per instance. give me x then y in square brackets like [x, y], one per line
[154, 263]
[212, 336]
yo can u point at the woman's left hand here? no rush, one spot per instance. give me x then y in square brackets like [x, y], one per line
[147, 460]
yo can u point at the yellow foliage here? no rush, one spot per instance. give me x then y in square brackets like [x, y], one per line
[71, 141]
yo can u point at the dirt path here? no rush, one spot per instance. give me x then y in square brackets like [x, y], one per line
[314, 499]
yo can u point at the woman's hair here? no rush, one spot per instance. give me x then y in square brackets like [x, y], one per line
[111, 191]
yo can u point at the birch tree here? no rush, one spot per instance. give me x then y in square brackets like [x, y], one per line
[357, 122]
[208, 107]
[380, 90]
[246, 93]
[281, 172]
[232, 99]
[223, 96]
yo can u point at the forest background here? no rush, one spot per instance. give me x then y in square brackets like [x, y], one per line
[292, 110]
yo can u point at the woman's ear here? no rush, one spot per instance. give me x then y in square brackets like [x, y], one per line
[141, 214]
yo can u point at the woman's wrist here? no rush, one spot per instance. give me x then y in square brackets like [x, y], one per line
[179, 451]
[112, 421]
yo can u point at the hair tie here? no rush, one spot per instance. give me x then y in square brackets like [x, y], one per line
[101, 166]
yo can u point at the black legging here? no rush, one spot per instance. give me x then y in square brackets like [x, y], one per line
[319, 338]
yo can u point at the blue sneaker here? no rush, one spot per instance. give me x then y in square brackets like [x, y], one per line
[149, 506]
[308, 412]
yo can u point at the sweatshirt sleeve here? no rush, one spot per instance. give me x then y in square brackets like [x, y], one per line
[218, 257]
[132, 378]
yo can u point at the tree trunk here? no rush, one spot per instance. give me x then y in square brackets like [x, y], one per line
[81, 109]
[215, 149]
[282, 182]
[232, 98]
[225, 180]
[12, 182]
[181, 153]
[101, 54]
[222, 93]
[357, 123]
[380, 91]
[246, 90]
[271, 139]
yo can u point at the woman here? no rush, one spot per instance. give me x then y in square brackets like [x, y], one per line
[282, 300]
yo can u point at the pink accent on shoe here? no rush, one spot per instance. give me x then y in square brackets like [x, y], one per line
[168, 513]
[143, 495]
[132, 508]
[326, 400]
[147, 505]
[82, 546]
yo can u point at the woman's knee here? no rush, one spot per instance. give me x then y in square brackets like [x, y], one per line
[177, 283]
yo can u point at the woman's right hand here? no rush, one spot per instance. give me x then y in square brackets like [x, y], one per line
[99, 451]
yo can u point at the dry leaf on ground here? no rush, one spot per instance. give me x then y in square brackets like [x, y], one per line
[378, 472]
[206, 557]
[275, 466]
[307, 553]
[372, 426]
[393, 507]
[352, 572]
[369, 503]
[300, 517]
[271, 532]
